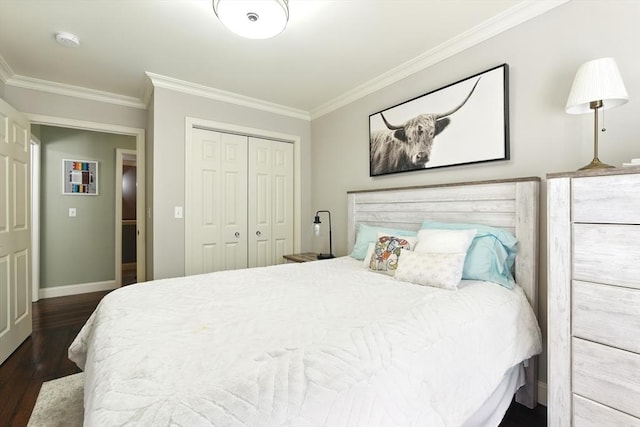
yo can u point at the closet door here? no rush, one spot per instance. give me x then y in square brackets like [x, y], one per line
[270, 201]
[216, 206]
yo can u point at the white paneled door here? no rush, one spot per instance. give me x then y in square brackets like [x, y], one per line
[239, 201]
[15, 256]
[270, 201]
[216, 204]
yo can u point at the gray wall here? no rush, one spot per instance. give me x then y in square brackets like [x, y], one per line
[170, 109]
[31, 101]
[81, 249]
[50, 104]
[543, 55]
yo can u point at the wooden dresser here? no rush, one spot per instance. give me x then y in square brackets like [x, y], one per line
[594, 298]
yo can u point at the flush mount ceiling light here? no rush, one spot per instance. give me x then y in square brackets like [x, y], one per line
[254, 19]
[67, 39]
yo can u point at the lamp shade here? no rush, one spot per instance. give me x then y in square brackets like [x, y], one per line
[254, 19]
[597, 80]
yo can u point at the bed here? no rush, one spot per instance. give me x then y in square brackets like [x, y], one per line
[328, 343]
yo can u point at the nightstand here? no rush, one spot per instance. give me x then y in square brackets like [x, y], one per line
[304, 257]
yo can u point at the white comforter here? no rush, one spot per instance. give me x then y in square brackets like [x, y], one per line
[324, 343]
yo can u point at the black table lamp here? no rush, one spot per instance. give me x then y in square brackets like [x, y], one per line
[316, 229]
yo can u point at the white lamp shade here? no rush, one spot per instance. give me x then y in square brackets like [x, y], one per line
[254, 19]
[597, 80]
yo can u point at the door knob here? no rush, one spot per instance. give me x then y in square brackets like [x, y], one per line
[237, 234]
[258, 233]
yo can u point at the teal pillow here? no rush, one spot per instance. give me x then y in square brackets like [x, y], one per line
[490, 256]
[369, 234]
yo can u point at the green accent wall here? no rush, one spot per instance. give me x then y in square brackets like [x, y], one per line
[80, 249]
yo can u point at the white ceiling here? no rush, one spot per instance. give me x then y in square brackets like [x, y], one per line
[332, 51]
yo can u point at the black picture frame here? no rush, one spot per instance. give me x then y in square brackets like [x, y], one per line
[419, 134]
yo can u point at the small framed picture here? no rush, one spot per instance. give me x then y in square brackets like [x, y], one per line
[80, 177]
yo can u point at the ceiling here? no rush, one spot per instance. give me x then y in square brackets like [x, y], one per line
[332, 51]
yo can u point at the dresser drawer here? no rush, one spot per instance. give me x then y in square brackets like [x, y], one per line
[607, 253]
[607, 375]
[607, 199]
[587, 413]
[606, 314]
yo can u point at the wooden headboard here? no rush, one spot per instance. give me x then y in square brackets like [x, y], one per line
[511, 204]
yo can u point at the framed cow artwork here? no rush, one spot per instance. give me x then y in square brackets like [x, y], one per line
[461, 123]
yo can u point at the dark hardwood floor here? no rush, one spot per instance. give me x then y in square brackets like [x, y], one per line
[43, 357]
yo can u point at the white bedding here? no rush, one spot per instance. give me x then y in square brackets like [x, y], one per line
[320, 343]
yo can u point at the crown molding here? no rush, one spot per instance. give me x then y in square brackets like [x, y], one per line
[224, 96]
[74, 91]
[5, 70]
[512, 17]
[502, 22]
[148, 90]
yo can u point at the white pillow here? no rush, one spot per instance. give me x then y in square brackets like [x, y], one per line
[440, 270]
[444, 241]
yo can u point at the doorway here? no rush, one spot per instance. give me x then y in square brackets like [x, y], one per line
[140, 233]
[126, 217]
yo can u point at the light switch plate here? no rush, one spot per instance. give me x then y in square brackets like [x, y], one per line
[72, 211]
[177, 212]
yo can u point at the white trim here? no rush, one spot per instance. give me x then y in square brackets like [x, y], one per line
[41, 119]
[224, 96]
[148, 91]
[82, 288]
[139, 134]
[508, 19]
[5, 70]
[192, 122]
[542, 393]
[75, 91]
[35, 217]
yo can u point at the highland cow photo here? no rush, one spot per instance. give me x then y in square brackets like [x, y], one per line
[461, 123]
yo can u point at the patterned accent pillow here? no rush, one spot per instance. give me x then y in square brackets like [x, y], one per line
[386, 253]
[440, 270]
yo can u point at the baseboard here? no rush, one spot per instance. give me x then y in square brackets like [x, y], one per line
[542, 393]
[83, 288]
[129, 266]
